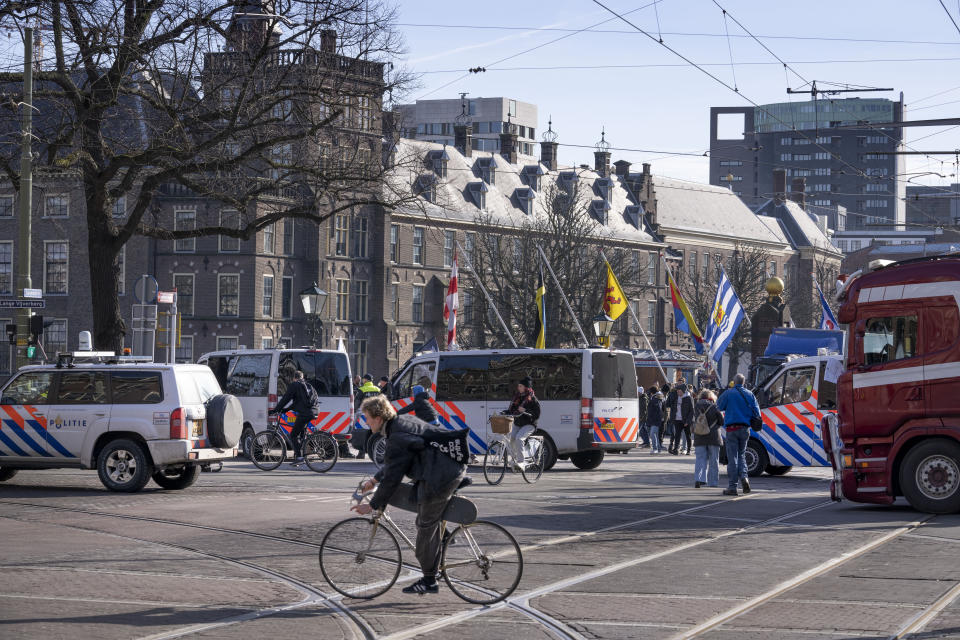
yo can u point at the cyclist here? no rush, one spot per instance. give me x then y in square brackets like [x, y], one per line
[303, 399]
[526, 411]
[435, 474]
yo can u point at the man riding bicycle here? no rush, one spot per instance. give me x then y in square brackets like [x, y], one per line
[303, 399]
[526, 411]
[436, 477]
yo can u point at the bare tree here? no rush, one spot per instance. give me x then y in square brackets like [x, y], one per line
[271, 108]
[802, 295]
[747, 271]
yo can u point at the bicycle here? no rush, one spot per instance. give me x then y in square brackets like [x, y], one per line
[498, 456]
[268, 448]
[480, 561]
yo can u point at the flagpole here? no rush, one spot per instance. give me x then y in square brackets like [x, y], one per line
[637, 320]
[486, 294]
[564, 296]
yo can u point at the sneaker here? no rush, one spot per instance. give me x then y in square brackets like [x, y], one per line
[297, 461]
[745, 484]
[729, 492]
[696, 485]
[422, 587]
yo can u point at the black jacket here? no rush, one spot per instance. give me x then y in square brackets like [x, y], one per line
[644, 402]
[655, 413]
[686, 410]
[421, 408]
[670, 404]
[715, 418]
[407, 454]
[302, 399]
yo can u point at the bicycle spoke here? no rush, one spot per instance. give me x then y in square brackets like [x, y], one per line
[320, 451]
[495, 462]
[360, 559]
[267, 450]
[482, 562]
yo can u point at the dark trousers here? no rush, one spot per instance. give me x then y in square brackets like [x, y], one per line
[429, 537]
[296, 433]
[679, 429]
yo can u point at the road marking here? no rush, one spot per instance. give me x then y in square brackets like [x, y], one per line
[151, 603]
[919, 621]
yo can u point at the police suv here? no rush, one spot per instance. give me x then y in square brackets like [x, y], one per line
[132, 421]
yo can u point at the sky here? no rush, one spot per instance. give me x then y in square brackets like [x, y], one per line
[600, 73]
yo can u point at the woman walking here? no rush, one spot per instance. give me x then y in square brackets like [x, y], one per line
[655, 419]
[707, 445]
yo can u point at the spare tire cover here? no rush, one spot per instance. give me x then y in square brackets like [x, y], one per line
[224, 421]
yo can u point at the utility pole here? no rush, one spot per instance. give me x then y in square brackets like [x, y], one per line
[26, 197]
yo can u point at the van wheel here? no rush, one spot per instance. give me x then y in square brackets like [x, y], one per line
[549, 451]
[175, 478]
[124, 466]
[930, 476]
[778, 471]
[6, 474]
[756, 458]
[587, 460]
[246, 441]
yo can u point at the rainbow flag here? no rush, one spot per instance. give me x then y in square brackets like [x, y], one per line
[682, 316]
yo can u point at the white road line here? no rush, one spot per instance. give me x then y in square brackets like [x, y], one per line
[149, 603]
[796, 581]
[919, 621]
[120, 572]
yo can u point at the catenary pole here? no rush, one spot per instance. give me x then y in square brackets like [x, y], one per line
[564, 296]
[486, 294]
[26, 196]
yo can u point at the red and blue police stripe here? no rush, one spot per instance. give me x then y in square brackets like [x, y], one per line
[23, 432]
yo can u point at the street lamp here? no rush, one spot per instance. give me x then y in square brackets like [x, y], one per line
[313, 298]
[602, 326]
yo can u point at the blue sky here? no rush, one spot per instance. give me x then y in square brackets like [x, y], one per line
[665, 109]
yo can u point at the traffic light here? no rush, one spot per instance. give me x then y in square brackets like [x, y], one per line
[12, 333]
[33, 337]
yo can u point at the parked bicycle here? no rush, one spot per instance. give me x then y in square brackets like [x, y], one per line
[480, 561]
[499, 455]
[270, 447]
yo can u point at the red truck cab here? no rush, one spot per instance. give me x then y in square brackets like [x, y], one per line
[897, 431]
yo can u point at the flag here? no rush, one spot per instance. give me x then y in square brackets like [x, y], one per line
[682, 316]
[541, 312]
[827, 321]
[614, 300]
[450, 306]
[725, 318]
[430, 346]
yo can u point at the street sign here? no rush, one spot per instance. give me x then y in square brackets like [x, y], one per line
[145, 290]
[33, 293]
[10, 303]
[166, 297]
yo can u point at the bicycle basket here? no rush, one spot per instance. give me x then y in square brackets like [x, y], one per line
[501, 424]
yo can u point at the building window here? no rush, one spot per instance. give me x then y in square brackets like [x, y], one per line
[56, 260]
[360, 290]
[343, 300]
[821, 155]
[288, 224]
[229, 219]
[185, 220]
[227, 343]
[183, 283]
[803, 156]
[286, 297]
[6, 206]
[773, 268]
[394, 243]
[281, 157]
[122, 270]
[57, 206]
[184, 350]
[55, 336]
[733, 163]
[341, 233]
[467, 310]
[786, 142]
[6, 268]
[228, 295]
[418, 245]
[512, 108]
[418, 303]
[517, 258]
[266, 343]
[786, 157]
[651, 267]
[5, 353]
[120, 207]
[448, 242]
[706, 267]
[269, 239]
[692, 265]
[359, 355]
[360, 238]
[267, 296]
[878, 204]
[469, 242]
[651, 316]
[395, 302]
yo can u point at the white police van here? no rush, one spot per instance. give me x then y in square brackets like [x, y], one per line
[588, 397]
[259, 378]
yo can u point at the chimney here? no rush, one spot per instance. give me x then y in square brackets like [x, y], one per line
[798, 188]
[779, 185]
[508, 142]
[328, 41]
[463, 139]
[621, 168]
[601, 157]
[548, 147]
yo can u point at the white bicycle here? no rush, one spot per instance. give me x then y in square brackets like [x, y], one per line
[499, 455]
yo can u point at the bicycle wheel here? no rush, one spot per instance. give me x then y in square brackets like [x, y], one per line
[267, 450]
[534, 467]
[495, 462]
[481, 562]
[360, 558]
[376, 448]
[320, 451]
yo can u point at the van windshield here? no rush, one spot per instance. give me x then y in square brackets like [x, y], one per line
[614, 376]
[329, 373]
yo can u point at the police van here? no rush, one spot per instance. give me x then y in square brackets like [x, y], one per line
[588, 397]
[259, 378]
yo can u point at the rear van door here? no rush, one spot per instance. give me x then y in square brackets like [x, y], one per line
[615, 406]
[248, 378]
[331, 380]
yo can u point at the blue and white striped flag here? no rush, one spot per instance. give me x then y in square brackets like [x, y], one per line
[726, 316]
[827, 321]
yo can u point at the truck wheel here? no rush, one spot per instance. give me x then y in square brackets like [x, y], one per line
[224, 421]
[930, 476]
[549, 450]
[177, 478]
[587, 460]
[756, 458]
[124, 466]
[778, 471]
[6, 474]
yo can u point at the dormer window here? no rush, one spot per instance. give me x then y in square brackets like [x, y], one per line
[598, 211]
[525, 197]
[488, 170]
[438, 162]
[633, 214]
[426, 188]
[532, 174]
[604, 188]
[566, 180]
[478, 191]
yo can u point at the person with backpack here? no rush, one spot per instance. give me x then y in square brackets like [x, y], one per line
[655, 415]
[421, 406]
[707, 440]
[436, 475]
[740, 407]
[303, 399]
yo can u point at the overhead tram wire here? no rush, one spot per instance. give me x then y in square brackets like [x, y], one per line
[950, 15]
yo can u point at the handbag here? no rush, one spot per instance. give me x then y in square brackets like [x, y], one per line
[756, 422]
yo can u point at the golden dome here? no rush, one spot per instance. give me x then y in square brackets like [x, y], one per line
[774, 286]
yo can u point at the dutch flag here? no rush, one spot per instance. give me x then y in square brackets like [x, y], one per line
[726, 316]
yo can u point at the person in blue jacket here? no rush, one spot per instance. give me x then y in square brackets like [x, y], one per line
[739, 406]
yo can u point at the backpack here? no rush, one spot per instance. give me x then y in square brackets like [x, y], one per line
[313, 398]
[701, 426]
[453, 443]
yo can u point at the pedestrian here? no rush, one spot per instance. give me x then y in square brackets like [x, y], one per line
[385, 387]
[366, 390]
[682, 419]
[655, 419]
[739, 406]
[526, 411]
[643, 401]
[421, 406]
[669, 394]
[707, 445]
[303, 399]
[435, 474]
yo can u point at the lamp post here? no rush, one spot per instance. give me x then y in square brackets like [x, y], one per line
[602, 326]
[313, 300]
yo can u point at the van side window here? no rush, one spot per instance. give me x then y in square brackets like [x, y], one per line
[136, 387]
[555, 376]
[889, 338]
[793, 385]
[30, 388]
[82, 387]
[290, 362]
[249, 376]
[332, 374]
[940, 325]
[826, 391]
[421, 374]
[462, 378]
